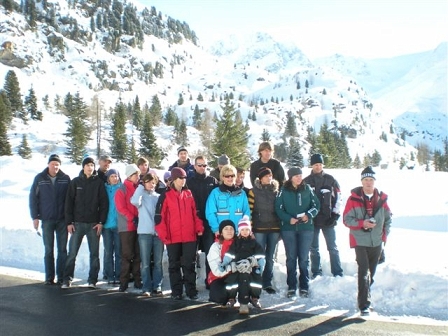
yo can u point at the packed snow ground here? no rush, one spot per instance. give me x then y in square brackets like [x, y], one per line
[411, 286]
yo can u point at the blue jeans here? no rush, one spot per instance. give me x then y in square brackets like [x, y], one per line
[151, 244]
[112, 254]
[268, 242]
[49, 228]
[330, 238]
[297, 247]
[81, 230]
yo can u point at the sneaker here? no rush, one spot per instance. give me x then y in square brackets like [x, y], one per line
[230, 303]
[176, 296]
[270, 290]
[66, 285]
[157, 292]
[365, 312]
[91, 285]
[244, 309]
[255, 303]
[291, 293]
[146, 293]
[303, 293]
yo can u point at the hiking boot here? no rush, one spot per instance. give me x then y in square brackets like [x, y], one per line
[193, 296]
[270, 290]
[230, 303]
[123, 288]
[91, 285]
[303, 293]
[365, 312]
[138, 284]
[244, 309]
[66, 285]
[255, 303]
[291, 294]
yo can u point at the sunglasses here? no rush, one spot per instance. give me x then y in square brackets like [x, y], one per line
[229, 176]
[201, 165]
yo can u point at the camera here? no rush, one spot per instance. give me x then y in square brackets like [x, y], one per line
[372, 220]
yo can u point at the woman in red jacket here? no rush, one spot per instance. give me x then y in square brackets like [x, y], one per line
[178, 229]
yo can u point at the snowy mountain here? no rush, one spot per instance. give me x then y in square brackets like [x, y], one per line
[265, 77]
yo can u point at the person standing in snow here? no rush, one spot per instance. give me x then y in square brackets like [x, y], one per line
[265, 153]
[47, 200]
[327, 189]
[368, 216]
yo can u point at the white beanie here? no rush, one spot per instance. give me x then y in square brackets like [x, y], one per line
[131, 169]
[244, 223]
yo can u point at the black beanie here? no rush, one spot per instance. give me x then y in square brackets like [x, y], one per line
[294, 171]
[368, 172]
[317, 158]
[224, 223]
[54, 157]
[87, 160]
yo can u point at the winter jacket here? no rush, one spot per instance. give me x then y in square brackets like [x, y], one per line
[245, 247]
[145, 201]
[112, 217]
[316, 182]
[290, 202]
[214, 258]
[179, 221]
[86, 200]
[262, 205]
[226, 203]
[189, 168]
[355, 213]
[273, 164]
[47, 200]
[127, 213]
[201, 185]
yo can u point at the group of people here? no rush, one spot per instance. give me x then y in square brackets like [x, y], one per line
[238, 228]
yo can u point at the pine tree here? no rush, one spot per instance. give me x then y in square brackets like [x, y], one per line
[295, 157]
[180, 101]
[7, 113]
[155, 110]
[265, 136]
[24, 149]
[31, 106]
[311, 138]
[181, 134]
[376, 158]
[327, 147]
[170, 117]
[148, 143]
[131, 155]
[357, 162]
[197, 117]
[291, 128]
[118, 132]
[231, 137]
[137, 115]
[78, 131]
[12, 89]
[5, 146]
[207, 130]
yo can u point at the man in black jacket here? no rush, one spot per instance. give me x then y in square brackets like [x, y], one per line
[329, 193]
[47, 200]
[86, 208]
[201, 185]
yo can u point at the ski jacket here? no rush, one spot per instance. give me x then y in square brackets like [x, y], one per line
[245, 247]
[86, 200]
[201, 186]
[290, 202]
[146, 202]
[112, 219]
[47, 200]
[273, 164]
[189, 168]
[355, 213]
[316, 182]
[226, 203]
[262, 205]
[127, 213]
[214, 258]
[179, 222]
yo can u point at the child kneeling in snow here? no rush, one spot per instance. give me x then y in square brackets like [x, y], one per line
[248, 260]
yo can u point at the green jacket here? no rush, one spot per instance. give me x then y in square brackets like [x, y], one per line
[290, 202]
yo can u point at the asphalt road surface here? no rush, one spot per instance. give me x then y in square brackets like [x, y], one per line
[28, 307]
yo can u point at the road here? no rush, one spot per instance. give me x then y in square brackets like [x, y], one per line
[28, 307]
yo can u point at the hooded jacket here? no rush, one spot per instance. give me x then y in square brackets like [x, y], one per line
[290, 202]
[355, 213]
[86, 200]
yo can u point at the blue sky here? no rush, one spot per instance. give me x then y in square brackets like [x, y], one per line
[364, 28]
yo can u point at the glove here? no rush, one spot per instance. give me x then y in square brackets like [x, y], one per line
[333, 220]
[261, 264]
[135, 221]
[221, 267]
[226, 260]
[253, 261]
[257, 270]
[243, 266]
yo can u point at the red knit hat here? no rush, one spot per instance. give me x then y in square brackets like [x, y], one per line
[244, 223]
